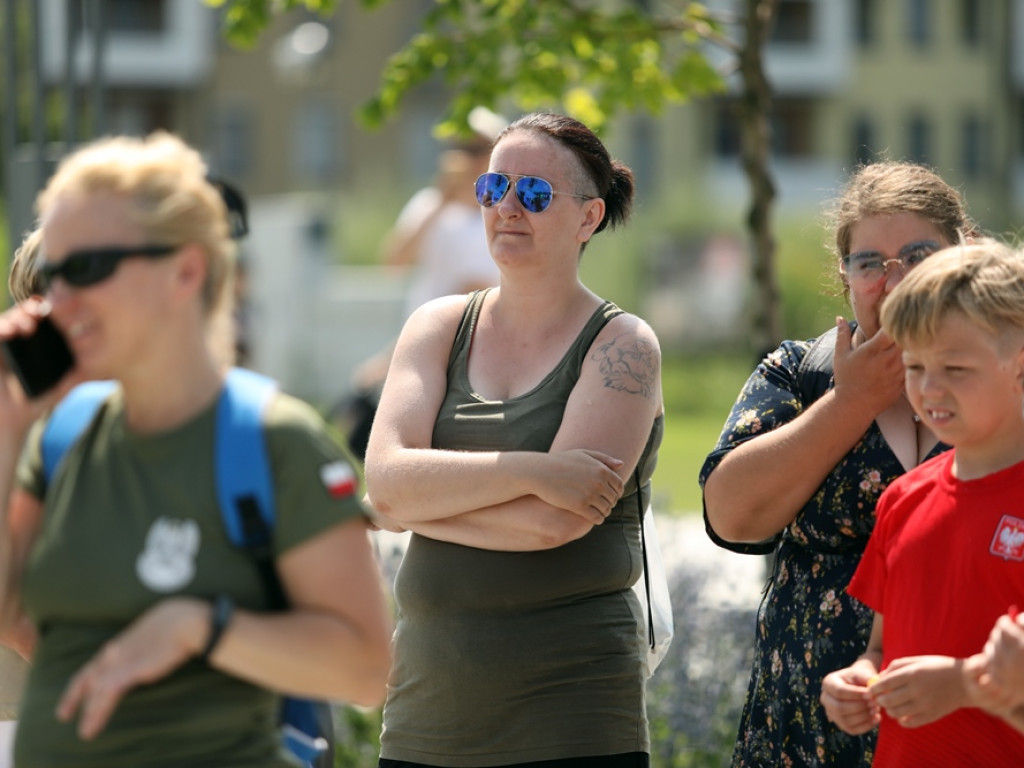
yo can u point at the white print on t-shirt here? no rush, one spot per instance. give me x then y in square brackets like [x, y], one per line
[169, 560]
[1009, 539]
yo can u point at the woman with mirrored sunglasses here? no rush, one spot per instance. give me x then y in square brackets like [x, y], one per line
[817, 433]
[516, 438]
[157, 642]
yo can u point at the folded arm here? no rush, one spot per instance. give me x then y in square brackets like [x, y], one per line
[511, 500]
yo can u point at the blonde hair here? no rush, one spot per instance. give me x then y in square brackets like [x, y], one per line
[21, 279]
[165, 182]
[984, 281]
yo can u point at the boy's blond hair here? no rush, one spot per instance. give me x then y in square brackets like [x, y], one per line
[984, 281]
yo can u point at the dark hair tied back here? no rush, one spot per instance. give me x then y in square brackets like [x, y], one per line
[619, 197]
[611, 180]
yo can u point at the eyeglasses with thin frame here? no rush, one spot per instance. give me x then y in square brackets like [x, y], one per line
[870, 267]
[532, 192]
[94, 265]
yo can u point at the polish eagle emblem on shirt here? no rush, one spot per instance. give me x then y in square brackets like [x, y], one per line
[1008, 541]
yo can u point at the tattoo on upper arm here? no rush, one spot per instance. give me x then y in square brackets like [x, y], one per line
[628, 364]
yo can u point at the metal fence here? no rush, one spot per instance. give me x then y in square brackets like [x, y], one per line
[32, 142]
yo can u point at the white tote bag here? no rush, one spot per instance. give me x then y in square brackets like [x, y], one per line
[653, 582]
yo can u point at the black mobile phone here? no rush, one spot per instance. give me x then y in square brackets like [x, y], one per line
[40, 360]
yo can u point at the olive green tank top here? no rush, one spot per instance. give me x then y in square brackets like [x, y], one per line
[511, 657]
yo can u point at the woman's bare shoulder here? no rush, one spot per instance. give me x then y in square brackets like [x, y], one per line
[628, 329]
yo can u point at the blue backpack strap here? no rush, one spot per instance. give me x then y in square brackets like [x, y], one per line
[240, 453]
[69, 419]
[245, 490]
[246, 497]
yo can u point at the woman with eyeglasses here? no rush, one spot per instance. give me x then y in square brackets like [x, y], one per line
[819, 430]
[158, 642]
[516, 438]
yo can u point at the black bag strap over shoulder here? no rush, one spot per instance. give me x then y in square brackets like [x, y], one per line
[814, 375]
[643, 552]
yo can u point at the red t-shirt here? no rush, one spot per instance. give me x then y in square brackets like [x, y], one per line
[945, 560]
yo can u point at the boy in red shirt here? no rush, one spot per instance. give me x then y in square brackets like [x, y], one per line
[946, 557]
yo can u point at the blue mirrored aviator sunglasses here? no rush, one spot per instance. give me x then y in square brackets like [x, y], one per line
[88, 267]
[532, 192]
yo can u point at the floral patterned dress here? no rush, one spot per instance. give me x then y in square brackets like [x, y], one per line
[807, 625]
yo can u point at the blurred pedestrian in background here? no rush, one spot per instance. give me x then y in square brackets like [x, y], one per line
[439, 237]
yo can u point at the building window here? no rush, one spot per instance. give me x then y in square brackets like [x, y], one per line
[863, 141]
[726, 138]
[136, 113]
[1020, 125]
[975, 150]
[792, 129]
[644, 159]
[315, 133]
[919, 140]
[233, 155]
[131, 16]
[864, 22]
[918, 21]
[972, 22]
[794, 22]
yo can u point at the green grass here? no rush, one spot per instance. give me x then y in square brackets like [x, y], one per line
[699, 390]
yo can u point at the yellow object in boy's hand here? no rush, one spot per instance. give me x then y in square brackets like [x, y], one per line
[872, 680]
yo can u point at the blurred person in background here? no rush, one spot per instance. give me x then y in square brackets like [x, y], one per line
[439, 237]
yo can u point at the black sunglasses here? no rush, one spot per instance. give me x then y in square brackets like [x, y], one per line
[532, 192]
[91, 266]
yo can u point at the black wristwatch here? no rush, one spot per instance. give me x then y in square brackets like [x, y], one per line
[223, 610]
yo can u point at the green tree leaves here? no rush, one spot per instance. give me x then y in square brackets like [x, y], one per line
[245, 20]
[591, 59]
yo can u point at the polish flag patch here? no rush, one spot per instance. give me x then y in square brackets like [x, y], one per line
[1009, 539]
[338, 478]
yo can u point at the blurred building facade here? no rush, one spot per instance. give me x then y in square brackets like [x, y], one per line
[940, 81]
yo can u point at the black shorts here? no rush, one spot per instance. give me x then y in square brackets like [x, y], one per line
[627, 760]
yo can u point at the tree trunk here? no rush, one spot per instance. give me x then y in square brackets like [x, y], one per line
[755, 109]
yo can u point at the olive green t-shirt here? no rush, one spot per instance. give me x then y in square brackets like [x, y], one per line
[512, 657]
[129, 520]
